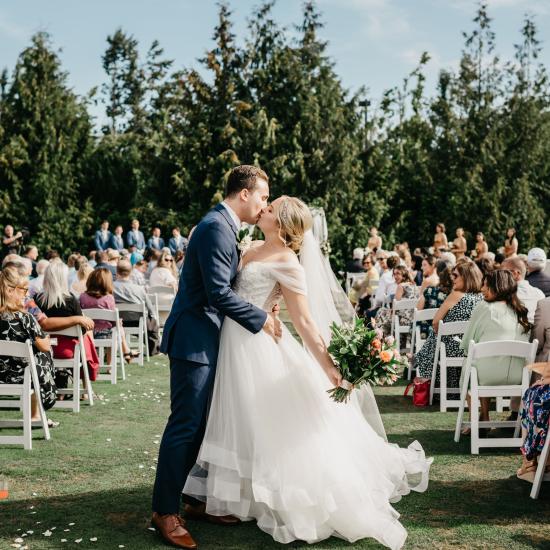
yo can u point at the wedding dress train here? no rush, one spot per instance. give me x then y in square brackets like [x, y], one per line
[280, 451]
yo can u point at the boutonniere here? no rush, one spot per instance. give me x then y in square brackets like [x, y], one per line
[244, 239]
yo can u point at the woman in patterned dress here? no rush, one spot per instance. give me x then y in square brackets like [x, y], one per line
[535, 416]
[458, 306]
[16, 325]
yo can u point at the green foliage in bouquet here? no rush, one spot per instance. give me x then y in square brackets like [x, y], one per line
[363, 356]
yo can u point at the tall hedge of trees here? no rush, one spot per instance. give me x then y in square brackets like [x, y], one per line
[475, 153]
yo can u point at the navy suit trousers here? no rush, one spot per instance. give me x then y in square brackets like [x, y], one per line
[191, 386]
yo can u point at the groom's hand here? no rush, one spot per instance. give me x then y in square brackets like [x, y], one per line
[272, 326]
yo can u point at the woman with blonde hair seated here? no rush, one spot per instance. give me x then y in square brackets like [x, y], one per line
[165, 273]
[79, 284]
[17, 325]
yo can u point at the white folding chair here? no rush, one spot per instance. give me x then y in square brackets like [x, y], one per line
[114, 344]
[155, 302]
[74, 364]
[352, 278]
[23, 393]
[139, 332]
[540, 475]
[165, 299]
[416, 337]
[454, 328]
[508, 348]
[397, 328]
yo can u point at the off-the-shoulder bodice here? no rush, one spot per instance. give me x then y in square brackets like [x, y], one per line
[259, 283]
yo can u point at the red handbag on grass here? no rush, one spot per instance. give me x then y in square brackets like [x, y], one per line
[421, 391]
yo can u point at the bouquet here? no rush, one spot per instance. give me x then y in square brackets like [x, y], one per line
[363, 356]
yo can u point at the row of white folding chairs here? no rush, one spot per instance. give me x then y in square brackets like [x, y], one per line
[22, 394]
[397, 328]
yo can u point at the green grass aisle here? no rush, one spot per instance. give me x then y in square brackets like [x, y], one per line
[90, 486]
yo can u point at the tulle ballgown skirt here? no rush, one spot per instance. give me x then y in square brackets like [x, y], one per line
[279, 451]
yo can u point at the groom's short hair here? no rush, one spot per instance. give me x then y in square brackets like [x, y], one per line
[243, 177]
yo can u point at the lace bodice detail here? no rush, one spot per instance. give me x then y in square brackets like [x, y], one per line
[259, 283]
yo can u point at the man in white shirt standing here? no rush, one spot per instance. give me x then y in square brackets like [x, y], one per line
[528, 295]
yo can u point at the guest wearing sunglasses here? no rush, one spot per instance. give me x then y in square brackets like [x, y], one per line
[165, 273]
[458, 306]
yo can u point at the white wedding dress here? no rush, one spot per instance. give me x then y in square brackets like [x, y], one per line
[280, 451]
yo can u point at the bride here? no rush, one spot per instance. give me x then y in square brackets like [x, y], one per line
[276, 448]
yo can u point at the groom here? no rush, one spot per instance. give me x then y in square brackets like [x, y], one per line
[191, 340]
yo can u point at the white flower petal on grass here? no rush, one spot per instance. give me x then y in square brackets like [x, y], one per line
[30, 531]
[141, 466]
[108, 440]
[78, 541]
[151, 529]
[93, 539]
[63, 540]
[35, 494]
[47, 533]
[66, 530]
[19, 540]
[71, 524]
[15, 545]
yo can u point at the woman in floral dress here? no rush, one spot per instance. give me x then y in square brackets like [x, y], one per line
[16, 325]
[458, 306]
[534, 421]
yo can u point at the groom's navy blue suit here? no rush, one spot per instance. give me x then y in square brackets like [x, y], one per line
[191, 340]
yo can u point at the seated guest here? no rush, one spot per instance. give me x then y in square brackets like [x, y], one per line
[102, 236]
[177, 241]
[73, 263]
[16, 325]
[416, 270]
[92, 258]
[135, 237]
[386, 287]
[108, 260]
[31, 252]
[499, 258]
[534, 421]
[536, 264]
[367, 287]
[138, 273]
[429, 272]
[381, 262]
[151, 256]
[528, 295]
[458, 306]
[541, 329]
[127, 292]
[356, 264]
[501, 316]
[485, 264]
[99, 294]
[405, 290]
[164, 274]
[117, 242]
[179, 258]
[434, 296]
[155, 242]
[37, 284]
[79, 285]
[55, 301]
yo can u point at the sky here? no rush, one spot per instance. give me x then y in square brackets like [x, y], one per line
[373, 43]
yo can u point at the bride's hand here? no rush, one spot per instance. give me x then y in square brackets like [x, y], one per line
[333, 375]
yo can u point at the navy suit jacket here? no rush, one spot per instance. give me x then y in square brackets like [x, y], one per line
[205, 296]
[139, 243]
[116, 243]
[159, 247]
[100, 244]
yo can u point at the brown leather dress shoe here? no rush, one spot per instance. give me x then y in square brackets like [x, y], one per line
[199, 513]
[171, 527]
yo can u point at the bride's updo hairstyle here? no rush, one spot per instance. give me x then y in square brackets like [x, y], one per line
[294, 220]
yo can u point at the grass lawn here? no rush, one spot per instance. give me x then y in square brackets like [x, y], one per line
[93, 480]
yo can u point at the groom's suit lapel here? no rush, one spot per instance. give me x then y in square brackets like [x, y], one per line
[223, 211]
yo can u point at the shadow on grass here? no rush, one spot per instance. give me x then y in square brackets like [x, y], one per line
[391, 403]
[122, 517]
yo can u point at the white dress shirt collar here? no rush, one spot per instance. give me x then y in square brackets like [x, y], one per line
[233, 215]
